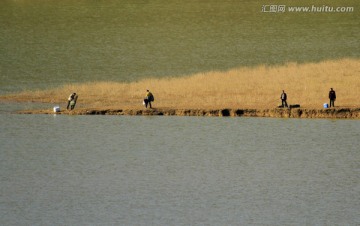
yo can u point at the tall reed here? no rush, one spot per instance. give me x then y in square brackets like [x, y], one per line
[246, 87]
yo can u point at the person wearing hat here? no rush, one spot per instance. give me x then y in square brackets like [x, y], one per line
[148, 99]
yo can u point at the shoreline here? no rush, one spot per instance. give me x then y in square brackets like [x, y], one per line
[331, 113]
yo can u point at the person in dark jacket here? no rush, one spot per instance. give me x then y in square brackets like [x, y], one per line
[283, 98]
[332, 97]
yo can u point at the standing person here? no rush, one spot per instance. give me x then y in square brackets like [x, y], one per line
[283, 98]
[332, 97]
[71, 97]
[148, 99]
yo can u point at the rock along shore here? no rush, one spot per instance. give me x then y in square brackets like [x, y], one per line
[339, 113]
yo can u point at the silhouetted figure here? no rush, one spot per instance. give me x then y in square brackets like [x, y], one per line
[283, 98]
[332, 97]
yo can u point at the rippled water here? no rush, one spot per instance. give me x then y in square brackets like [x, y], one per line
[111, 170]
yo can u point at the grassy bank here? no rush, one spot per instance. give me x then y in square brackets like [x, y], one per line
[258, 87]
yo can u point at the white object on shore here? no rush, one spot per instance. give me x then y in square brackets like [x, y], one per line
[326, 105]
[56, 109]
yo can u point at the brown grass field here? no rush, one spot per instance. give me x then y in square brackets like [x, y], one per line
[246, 87]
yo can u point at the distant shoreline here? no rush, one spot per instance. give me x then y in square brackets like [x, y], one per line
[330, 113]
[237, 92]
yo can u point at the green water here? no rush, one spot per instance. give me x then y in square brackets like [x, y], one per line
[46, 43]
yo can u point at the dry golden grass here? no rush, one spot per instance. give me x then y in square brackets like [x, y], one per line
[258, 87]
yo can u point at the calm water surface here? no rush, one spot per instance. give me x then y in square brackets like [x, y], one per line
[111, 170]
[104, 170]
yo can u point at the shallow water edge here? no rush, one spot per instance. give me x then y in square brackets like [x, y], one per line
[339, 113]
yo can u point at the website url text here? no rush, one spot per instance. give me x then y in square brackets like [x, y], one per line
[306, 9]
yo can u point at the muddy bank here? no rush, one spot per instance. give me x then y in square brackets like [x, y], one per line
[344, 113]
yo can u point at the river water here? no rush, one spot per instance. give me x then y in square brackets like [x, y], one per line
[120, 170]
